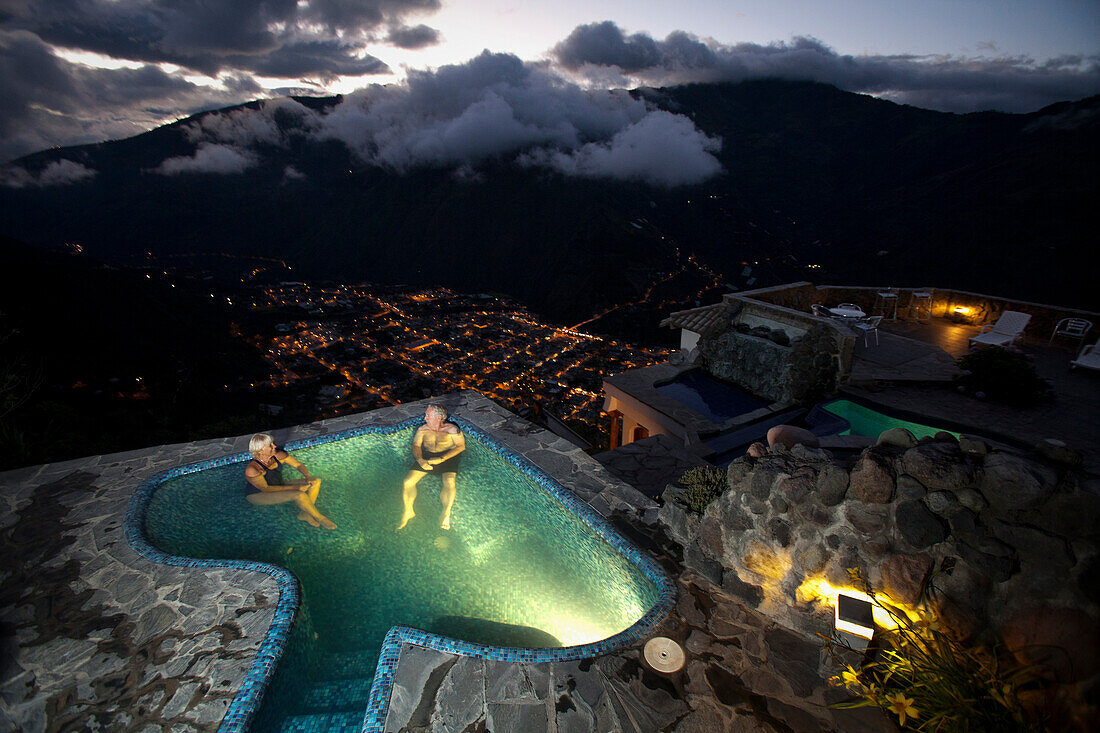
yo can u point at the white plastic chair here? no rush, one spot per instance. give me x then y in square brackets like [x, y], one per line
[1077, 328]
[868, 326]
[1005, 332]
[1089, 358]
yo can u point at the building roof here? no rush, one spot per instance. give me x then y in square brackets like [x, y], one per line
[704, 321]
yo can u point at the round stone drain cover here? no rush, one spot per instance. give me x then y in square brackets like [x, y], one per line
[663, 654]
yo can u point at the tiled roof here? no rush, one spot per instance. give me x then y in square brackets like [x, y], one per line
[704, 321]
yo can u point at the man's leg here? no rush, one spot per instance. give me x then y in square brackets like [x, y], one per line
[447, 496]
[408, 495]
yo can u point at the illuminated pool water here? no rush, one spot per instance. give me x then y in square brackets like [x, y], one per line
[865, 421]
[515, 570]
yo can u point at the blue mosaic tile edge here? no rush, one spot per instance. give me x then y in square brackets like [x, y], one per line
[247, 701]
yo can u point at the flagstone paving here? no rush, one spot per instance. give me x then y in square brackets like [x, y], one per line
[94, 636]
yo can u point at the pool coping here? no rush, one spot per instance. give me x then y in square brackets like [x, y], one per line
[249, 696]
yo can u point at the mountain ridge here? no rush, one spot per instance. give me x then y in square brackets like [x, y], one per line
[869, 191]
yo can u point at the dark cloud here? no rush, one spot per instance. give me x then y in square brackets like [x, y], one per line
[604, 44]
[946, 83]
[413, 37]
[325, 60]
[364, 13]
[49, 101]
[492, 107]
[269, 37]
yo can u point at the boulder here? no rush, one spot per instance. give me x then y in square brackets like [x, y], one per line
[941, 502]
[918, 526]
[710, 537]
[910, 488]
[990, 557]
[900, 437]
[903, 576]
[872, 479]
[1011, 482]
[1058, 452]
[809, 454]
[972, 446]
[760, 485]
[831, 485]
[946, 437]
[868, 519]
[811, 559]
[795, 488]
[938, 466]
[971, 499]
[780, 531]
[680, 522]
[813, 511]
[1061, 641]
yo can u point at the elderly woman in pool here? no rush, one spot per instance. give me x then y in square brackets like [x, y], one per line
[265, 472]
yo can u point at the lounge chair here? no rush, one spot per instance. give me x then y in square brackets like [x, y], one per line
[1089, 358]
[1005, 332]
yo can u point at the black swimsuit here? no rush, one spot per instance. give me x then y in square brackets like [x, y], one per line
[271, 473]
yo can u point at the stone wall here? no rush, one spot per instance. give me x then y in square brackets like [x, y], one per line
[767, 363]
[1022, 530]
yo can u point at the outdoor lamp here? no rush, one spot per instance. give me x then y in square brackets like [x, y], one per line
[853, 621]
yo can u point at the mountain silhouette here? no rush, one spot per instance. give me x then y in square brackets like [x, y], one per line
[817, 184]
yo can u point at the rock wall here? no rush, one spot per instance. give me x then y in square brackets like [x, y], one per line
[767, 363]
[1021, 529]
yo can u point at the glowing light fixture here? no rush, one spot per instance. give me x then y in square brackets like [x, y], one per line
[854, 619]
[962, 310]
[663, 654]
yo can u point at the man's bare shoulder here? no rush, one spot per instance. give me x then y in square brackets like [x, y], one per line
[450, 428]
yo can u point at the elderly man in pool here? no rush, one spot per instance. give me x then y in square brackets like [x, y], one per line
[437, 448]
[265, 472]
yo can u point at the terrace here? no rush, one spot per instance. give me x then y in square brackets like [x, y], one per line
[101, 635]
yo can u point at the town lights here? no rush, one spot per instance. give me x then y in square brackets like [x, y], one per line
[854, 619]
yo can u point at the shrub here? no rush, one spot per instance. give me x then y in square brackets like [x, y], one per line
[704, 484]
[933, 682]
[1004, 375]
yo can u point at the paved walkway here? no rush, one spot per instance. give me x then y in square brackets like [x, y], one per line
[650, 464]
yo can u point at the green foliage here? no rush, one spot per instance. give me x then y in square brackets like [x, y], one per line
[931, 681]
[1004, 375]
[704, 484]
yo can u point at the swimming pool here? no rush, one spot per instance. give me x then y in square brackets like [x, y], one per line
[870, 423]
[517, 570]
[715, 400]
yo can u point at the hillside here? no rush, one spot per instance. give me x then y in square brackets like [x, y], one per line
[865, 190]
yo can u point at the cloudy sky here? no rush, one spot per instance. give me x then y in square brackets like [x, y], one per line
[76, 71]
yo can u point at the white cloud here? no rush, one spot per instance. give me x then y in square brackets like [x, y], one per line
[661, 149]
[208, 158]
[58, 173]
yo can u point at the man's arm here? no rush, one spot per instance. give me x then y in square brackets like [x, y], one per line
[458, 444]
[418, 443]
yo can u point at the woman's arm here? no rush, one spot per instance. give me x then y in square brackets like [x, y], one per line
[294, 462]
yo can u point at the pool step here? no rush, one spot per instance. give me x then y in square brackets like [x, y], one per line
[347, 664]
[338, 695]
[324, 723]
